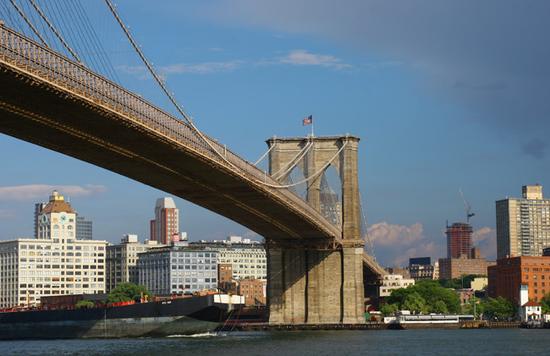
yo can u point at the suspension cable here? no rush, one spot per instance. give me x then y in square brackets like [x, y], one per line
[187, 118]
[28, 22]
[264, 155]
[292, 163]
[54, 30]
[366, 236]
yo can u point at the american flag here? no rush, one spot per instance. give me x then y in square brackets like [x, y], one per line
[307, 120]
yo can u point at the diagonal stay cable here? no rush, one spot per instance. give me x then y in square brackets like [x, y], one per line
[54, 30]
[28, 22]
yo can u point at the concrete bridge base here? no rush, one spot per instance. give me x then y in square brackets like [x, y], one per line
[309, 286]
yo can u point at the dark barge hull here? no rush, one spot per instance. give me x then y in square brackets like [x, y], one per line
[175, 317]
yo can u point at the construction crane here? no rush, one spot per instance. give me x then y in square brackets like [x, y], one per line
[467, 207]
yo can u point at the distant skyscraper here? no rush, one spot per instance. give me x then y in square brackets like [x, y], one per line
[459, 240]
[37, 210]
[166, 223]
[523, 225]
[83, 228]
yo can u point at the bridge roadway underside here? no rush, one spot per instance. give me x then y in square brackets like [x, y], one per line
[37, 113]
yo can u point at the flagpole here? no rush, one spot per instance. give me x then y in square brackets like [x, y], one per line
[312, 135]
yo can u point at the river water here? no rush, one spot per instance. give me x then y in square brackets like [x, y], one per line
[372, 342]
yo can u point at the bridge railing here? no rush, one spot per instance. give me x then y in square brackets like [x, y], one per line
[46, 64]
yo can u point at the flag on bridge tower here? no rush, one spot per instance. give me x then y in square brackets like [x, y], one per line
[307, 120]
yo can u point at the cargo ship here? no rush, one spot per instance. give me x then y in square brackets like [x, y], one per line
[183, 316]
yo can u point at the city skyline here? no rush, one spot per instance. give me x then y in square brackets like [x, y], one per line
[446, 133]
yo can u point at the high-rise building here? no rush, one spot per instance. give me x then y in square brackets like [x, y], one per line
[83, 228]
[121, 262]
[459, 240]
[166, 223]
[37, 210]
[523, 225]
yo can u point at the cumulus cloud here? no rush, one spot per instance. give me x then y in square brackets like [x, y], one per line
[485, 239]
[394, 244]
[302, 57]
[487, 55]
[385, 234]
[42, 191]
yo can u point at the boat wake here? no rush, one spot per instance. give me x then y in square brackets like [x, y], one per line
[207, 334]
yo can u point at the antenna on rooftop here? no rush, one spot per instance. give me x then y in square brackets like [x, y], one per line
[467, 207]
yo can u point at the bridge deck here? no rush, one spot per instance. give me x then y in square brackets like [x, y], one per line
[49, 100]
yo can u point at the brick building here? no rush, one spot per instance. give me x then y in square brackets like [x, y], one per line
[253, 291]
[509, 273]
[456, 267]
[459, 240]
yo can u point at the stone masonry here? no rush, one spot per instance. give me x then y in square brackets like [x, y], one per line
[318, 284]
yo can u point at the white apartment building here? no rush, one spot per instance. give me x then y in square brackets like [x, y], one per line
[34, 268]
[121, 262]
[247, 258]
[523, 225]
[392, 282]
[54, 263]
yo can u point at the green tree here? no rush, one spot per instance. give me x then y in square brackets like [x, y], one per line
[545, 303]
[473, 307]
[499, 308]
[440, 307]
[389, 309]
[431, 292]
[415, 303]
[84, 304]
[126, 292]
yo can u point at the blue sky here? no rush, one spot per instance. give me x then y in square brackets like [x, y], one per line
[444, 95]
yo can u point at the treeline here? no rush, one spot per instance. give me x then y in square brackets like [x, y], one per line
[428, 296]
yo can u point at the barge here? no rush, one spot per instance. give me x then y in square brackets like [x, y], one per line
[184, 316]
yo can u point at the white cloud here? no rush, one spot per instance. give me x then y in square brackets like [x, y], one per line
[300, 57]
[384, 234]
[201, 68]
[394, 244]
[485, 239]
[42, 191]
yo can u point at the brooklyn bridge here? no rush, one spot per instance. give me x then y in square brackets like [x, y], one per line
[318, 270]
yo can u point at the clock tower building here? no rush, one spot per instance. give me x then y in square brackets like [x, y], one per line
[57, 220]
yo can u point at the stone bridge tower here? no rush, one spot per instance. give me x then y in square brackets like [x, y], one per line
[321, 284]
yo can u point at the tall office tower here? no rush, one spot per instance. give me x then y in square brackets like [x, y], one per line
[37, 210]
[459, 240]
[166, 223]
[523, 225]
[57, 219]
[83, 228]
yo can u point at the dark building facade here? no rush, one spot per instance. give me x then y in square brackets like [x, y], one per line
[421, 268]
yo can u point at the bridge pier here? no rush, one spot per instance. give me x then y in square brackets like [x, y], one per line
[308, 282]
[310, 286]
